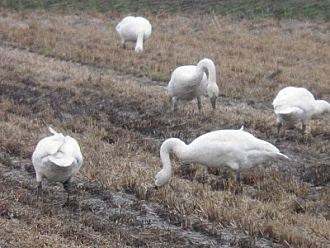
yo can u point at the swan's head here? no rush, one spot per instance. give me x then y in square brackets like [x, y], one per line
[138, 48]
[322, 107]
[212, 90]
[162, 178]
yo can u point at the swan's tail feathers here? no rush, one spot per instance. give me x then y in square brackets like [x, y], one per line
[283, 156]
[61, 160]
[242, 127]
[52, 130]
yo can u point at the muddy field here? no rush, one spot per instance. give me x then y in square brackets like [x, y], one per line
[68, 71]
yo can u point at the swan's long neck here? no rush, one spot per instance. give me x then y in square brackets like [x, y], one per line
[321, 107]
[139, 43]
[207, 65]
[174, 145]
[170, 145]
[212, 87]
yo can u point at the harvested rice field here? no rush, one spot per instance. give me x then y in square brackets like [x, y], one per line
[68, 70]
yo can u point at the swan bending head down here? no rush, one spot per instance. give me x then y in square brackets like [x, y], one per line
[194, 81]
[236, 149]
[57, 158]
[135, 29]
[297, 104]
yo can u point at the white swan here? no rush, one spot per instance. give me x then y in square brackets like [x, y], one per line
[56, 158]
[234, 148]
[295, 104]
[190, 81]
[136, 29]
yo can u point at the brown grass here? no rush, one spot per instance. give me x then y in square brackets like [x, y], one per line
[120, 119]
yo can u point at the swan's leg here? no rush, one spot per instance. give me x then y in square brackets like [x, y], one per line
[67, 187]
[213, 101]
[199, 103]
[174, 103]
[239, 188]
[123, 42]
[39, 185]
[39, 190]
[238, 177]
[303, 128]
[279, 125]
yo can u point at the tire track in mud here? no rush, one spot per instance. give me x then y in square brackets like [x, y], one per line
[140, 223]
[119, 208]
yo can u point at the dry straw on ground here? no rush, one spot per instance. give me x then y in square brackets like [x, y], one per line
[58, 70]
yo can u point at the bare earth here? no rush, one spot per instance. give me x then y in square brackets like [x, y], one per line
[69, 72]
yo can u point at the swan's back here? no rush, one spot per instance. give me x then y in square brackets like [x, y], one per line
[67, 154]
[293, 100]
[48, 145]
[232, 147]
[239, 138]
[57, 149]
[185, 84]
[130, 27]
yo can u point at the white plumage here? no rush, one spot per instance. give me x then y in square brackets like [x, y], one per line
[135, 29]
[56, 158]
[295, 104]
[234, 148]
[190, 81]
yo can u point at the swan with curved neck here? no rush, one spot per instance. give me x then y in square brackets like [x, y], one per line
[135, 29]
[234, 148]
[57, 158]
[297, 104]
[190, 81]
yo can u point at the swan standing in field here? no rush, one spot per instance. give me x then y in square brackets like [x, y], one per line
[190, 81]
[136, 29]
[295, 104]
[56, 158]
[234, 148]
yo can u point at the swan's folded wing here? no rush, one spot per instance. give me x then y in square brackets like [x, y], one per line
[289, 110]
[48, 146]
[61, 159]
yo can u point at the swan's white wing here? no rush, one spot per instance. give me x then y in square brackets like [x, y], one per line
[289, 111]
[185, 84]
[125, 21]
[61, 159]
[49, 145]
[294, 97]
[67, 153]
[144, 26]
[232, 146]
[185, 76]
[131, 27]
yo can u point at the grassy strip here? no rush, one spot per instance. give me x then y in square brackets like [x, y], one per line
[296, 9]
